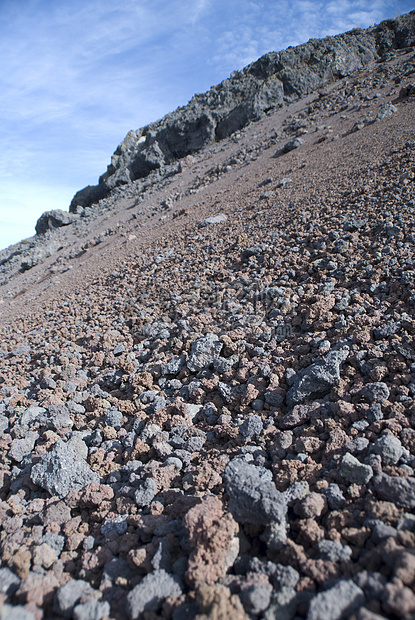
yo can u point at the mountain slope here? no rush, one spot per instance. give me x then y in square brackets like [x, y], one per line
[206, 401]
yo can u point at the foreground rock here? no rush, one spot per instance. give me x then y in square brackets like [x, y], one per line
[62, 470]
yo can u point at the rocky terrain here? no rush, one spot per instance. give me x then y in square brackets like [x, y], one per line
[208, 374]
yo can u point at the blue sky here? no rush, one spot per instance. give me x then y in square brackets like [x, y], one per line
[77, 75]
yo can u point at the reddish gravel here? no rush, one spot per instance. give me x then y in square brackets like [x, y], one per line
[209, 420]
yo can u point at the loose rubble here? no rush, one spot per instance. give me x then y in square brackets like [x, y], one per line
[220, 422]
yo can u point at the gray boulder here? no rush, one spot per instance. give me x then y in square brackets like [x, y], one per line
[146, 492]
[62, 470]
[375, 392]
[92, 610]
[151, 592]
[389, 449]
[22, 447]
[400, 491]
[71, 594]
[214, 219]
[16, 612]
[318, 379]
[333, 551]
[9, 582]
[55, 417]
[355, 472]
[87, 196]
[54, 219]
[38, 252]
[253, 496]
[337, 603]
[203, 352]
[385, 110]
[174, 365]
[293, 144]
[250, 427]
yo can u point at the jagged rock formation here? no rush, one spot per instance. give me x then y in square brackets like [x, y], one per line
[271, 81]
[54, 219]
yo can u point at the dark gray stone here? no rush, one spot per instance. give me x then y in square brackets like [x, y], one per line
[318, 379]
[113, 418]
[58, 417]
[23, 447]
[256, 598]
[193, 444]
[371, 583]
[333, 551]
[293, 144]
[337, 603]
[376, 392]
[92, 610]
[151, 592]
[146, 492]
[374, 413]
[355, 472]
[250, 427]
[48, 383]
[9, 582]
[284, 576]
[112, 528]
[229, 393]
[55, 417]
[224, 364]
[389, 449]
[31, 416]
[380, 530]
[381, 333]
[252, 498]
[400, 491]
[284, 604]
[256, 251]
[54, 219]
[62, 470]
[112, 378]
[70, 594]
[174, 365]
[357, 445]
[274, 399]
[203, 352]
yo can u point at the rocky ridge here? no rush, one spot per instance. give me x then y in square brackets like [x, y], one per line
[154, 152]
[270, 82]
[211, 414]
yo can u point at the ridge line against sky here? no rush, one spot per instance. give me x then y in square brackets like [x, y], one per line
[76, 77]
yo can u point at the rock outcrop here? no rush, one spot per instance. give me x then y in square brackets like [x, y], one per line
[54, 219]
[273, 80]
